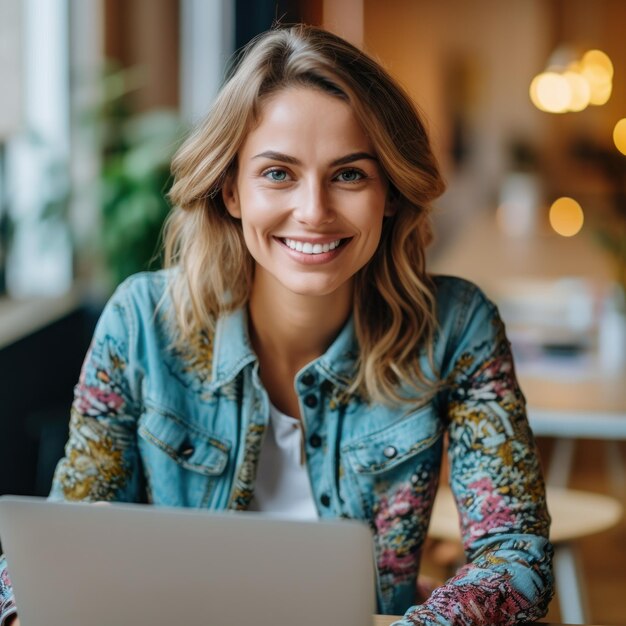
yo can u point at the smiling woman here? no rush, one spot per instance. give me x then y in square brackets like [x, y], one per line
[364, 111]
[297, 358]
[322, 186]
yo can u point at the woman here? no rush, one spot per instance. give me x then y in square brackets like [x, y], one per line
[297, 357]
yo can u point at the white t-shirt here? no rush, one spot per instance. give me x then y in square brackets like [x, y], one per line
[282, 481]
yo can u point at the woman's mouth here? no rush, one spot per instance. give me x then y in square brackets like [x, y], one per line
[306, 247]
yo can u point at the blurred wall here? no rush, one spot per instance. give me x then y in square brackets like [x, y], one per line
[468, 65]
[146, 33]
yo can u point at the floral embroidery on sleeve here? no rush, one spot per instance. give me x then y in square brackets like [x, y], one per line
[243, 488]
[401, 521]
[7, 599]
[100, 452]
[498, 486]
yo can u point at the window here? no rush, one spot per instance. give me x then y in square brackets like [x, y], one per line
[36, 152]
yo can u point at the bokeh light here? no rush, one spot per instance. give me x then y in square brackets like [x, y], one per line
[551, 92]
[600, 93]
[566, 217]
[600, 60]
[597, 69]
[588, 81]
[579, 89]
[619, 135]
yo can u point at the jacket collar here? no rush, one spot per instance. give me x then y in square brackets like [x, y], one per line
[339, 362]
[233, 350]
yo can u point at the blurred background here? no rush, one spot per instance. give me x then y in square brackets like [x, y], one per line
[526, 105]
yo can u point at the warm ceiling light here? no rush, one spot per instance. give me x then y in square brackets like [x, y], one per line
[532, 92]
[551, 92]
[597, 69]
[572, 85]
[600, 60]
[619, 135]
[566, 217]
[580, 91]
[600, 92]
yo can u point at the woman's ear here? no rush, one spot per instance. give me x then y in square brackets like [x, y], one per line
[230, 196]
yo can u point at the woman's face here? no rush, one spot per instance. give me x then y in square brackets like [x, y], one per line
[310, 193]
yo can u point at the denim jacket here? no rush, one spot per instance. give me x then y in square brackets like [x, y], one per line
[183, 427]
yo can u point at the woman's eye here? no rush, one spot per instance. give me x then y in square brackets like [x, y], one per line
[350, 176]
[276, 176]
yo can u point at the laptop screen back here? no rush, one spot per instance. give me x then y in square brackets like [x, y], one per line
[86, 565]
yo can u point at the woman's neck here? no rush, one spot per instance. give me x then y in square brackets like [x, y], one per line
[289, 329]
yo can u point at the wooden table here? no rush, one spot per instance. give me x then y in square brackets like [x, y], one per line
[482, 253]
[566, 400]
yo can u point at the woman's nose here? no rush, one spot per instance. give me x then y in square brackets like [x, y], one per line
[314, 205]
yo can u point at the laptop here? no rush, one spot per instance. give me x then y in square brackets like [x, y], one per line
[137, 565]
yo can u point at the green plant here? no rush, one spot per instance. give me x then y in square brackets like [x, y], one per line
[135, 181]
[135, 177]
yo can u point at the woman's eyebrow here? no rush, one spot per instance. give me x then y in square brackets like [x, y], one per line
[277, 156]
[355, 156]
[285, 158]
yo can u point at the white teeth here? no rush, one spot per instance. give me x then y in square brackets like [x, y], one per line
[310, 248]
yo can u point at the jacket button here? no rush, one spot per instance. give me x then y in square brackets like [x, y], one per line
[315, 441]
[325, 499]
[311, 401]
[326, 387]
[390, 452]
[308, 379]
[186, 450]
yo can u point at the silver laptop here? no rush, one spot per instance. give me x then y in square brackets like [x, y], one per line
[138, 565]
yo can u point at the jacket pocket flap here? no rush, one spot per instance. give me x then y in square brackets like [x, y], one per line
[187, 445]
[384, 449]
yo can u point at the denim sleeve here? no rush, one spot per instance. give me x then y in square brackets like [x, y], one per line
[101, 458]
[496, 479]
[7, 601]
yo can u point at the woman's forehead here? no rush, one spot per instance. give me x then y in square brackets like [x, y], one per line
[299, 115]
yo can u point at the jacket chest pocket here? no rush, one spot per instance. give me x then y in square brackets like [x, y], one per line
[182, 463]
[397, 464]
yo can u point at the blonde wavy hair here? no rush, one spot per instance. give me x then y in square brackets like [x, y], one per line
[207, 246]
